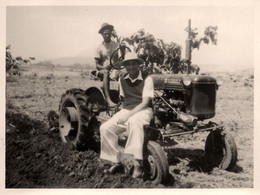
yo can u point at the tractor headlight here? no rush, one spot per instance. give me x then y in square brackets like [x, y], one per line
[220, 81]
[186, 81]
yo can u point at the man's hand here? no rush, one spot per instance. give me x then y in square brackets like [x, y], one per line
[122, 120]
[107, 65]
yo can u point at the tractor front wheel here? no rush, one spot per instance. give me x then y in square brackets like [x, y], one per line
[221, 150]
[155, 163]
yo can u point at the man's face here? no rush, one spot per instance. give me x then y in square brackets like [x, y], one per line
[107, 35]
[132, 68]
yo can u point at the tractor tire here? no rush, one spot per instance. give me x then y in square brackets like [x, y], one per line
[155, 163]
[76, 128]
[221, 150]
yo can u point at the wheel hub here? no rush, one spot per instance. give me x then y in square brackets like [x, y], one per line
[151, 162]
[68, 115]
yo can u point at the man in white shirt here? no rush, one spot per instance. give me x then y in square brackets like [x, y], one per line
[102, 58]
[137, 91]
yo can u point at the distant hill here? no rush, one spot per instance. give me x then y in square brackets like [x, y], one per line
[223, 68]
[73, 60]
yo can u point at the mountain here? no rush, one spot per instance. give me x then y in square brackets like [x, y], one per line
[73, 60]
[83, 57]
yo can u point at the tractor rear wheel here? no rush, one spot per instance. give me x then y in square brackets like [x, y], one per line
[76, 121]
[221, 150]
[155, 163]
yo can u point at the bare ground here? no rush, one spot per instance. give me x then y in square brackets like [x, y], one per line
[36, 157]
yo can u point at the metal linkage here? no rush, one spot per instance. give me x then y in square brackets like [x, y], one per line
[193, 131]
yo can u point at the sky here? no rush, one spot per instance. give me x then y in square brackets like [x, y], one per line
[48, 32]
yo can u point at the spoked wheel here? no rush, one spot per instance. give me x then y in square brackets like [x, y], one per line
[220, 150]
[76, 120]
[155, 163]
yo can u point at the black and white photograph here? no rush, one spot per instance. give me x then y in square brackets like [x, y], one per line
[129, 95]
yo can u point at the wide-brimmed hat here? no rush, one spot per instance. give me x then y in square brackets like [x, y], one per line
[105, 26]
[131, 56]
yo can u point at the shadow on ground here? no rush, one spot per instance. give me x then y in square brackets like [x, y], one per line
[196, 160]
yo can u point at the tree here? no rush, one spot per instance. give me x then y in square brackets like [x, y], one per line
[210, 35]
[12, 65]
[160, 56]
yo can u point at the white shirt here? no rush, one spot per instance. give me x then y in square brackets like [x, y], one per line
[105, 50]
[148, 90]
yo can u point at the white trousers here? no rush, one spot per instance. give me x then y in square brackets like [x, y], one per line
[109, 135]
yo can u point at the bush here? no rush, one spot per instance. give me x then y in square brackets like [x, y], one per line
[160, 56]
[12, 65]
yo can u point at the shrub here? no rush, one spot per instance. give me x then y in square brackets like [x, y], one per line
[12, 64]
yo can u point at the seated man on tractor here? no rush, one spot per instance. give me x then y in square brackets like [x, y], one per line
[137, 91]
[102, 59]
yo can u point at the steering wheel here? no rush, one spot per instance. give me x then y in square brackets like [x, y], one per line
[120, 58]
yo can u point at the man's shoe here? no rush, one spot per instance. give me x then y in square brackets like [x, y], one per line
[113, 169]
[138, 171]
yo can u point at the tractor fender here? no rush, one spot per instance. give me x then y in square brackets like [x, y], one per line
[96, 95]
[95, 90]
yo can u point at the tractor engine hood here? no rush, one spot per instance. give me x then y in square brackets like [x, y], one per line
[179, 81]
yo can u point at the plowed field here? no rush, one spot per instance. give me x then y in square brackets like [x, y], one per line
[37, 158]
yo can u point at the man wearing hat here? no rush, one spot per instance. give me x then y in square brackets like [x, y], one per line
[137, 91]
[102, 57]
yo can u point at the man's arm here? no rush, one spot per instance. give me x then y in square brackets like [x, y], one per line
[99, 66]
[144, 104]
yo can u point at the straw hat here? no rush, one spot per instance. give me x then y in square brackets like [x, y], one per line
[105, 26]
[131, 56]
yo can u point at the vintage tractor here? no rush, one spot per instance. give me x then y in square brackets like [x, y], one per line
[182, 104]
